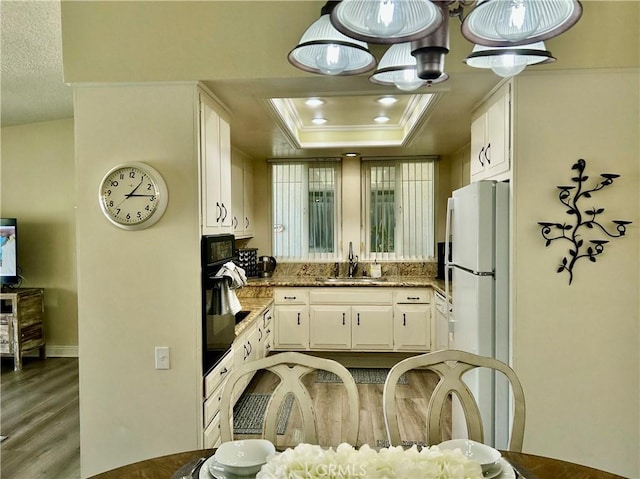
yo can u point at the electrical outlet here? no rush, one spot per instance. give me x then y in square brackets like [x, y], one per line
[162, 357]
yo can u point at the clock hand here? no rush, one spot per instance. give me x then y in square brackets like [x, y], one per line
[134, 190]
[131, 194]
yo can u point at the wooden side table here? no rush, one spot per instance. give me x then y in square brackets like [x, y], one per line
[21, 323]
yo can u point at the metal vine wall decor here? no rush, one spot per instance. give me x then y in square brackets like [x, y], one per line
[574, 233]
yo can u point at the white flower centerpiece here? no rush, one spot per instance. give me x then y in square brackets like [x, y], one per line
[307, 461]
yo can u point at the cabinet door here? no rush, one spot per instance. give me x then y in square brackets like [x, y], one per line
[225, 175]
[497, 148]
[215, 153]
[248, 197]
[478, 147]
[210, 157]
[329, 327]
[292, 327]
[237, 194]
[372, 327]
[412, 327]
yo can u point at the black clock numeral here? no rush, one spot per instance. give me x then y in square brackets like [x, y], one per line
[139, 215]
[152, 199]
[114, 183]
[149, 186]
[132, 174]
[110, 204]
[148, 208]
[108, 192]
[122, 176]
[128, 217]
[117, 211]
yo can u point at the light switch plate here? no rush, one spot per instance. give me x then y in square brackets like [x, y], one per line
[162, 357]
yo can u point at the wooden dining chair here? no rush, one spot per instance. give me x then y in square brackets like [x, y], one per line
[291, 367]
[450, 365]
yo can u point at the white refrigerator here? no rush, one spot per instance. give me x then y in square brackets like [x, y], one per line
[478, 227]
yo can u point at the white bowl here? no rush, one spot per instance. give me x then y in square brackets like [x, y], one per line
[244, 457]
[488, 457]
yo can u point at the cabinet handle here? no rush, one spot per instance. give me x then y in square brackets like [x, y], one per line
[235, 223]
[358, 319]
[268, 331]
[246, 223]
[298, 319]
[224, 371]
[404, 319]
[289, 297]
[480, 156]
[219, 212]
[225, 212]
[250, 348]
[414, 298]
[486, 154]
[260, 335]
[343, 319]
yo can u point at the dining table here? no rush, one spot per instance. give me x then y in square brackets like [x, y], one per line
[527, 466]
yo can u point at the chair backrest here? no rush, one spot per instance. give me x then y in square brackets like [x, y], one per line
[450, 365]
[290, 367]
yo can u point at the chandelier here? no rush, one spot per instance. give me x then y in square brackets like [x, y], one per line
[507, 35]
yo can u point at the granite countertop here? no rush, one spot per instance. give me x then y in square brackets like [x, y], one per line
[311, 281]
[256, 307]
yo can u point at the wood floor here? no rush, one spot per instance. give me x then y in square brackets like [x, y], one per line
[332, 412]
[40, 418]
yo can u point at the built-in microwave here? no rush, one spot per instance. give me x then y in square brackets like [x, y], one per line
[218, 325]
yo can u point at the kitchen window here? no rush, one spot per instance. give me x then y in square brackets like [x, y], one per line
[306, 209]
[398, 209]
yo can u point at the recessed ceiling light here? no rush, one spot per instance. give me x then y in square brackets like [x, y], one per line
[381, 119]
[387, 100]
[319, 121]
[351, 154]
[314, 102]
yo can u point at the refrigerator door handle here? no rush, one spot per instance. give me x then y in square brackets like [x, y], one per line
[447, 264]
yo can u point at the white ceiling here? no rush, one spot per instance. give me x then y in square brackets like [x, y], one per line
[32, 87]
[33, 90]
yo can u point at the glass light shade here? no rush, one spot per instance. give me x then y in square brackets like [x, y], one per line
[326, 51]
[398, 67]
[386, 21]
[508, 61]
[503, 23]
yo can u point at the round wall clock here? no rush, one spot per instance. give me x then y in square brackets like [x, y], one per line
[133, 196]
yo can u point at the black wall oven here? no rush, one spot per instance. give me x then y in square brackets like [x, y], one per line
[218, 326]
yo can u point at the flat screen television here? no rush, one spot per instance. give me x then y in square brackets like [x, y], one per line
[9, 252]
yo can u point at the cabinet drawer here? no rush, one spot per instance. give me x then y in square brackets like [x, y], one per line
[218, 375]
[291, 296]
[351, 296]
[412, 296]
[212, 404]
[212, 433]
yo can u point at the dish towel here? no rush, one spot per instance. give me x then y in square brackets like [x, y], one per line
[237, 279]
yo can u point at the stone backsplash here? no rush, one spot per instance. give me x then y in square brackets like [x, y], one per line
[394, 269]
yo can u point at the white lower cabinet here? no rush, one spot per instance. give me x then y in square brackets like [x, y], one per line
[291, 319]
[353, 319]
[412, 326]
[253, 343]
[372, 328]
[329, 327]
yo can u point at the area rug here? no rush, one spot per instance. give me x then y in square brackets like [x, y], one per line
[361, 376]
[248, 414]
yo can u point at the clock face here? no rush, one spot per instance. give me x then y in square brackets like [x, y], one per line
[133, 196]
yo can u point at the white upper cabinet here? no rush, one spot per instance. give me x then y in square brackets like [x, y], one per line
[242, 194]
[491, 137]
[215, 158]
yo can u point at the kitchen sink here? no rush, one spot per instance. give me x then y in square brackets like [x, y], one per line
[360, 279]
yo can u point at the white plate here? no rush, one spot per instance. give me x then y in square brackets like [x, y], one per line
[504, 472]
[207, 473]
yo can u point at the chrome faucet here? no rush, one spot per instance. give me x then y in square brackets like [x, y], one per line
[353, 261]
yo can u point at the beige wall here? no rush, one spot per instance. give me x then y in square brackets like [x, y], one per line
[138, 289]
[577, 346]
[38, 182]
